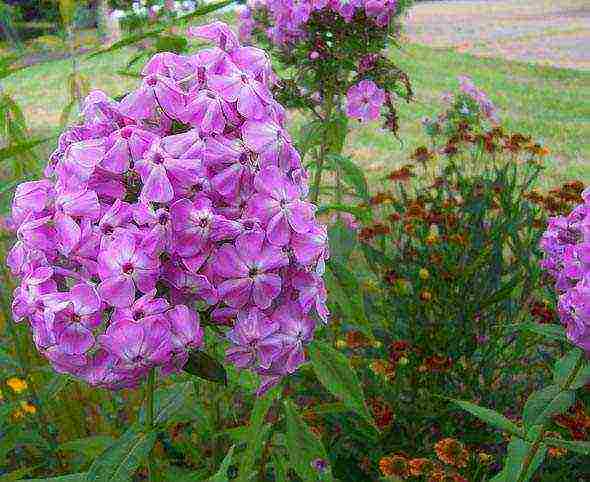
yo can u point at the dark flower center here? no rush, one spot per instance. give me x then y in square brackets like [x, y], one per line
[163, 219]
[158, 158]
[126, 132]
[252, 272]
[138, 315]
[127, 268]
[152, 80]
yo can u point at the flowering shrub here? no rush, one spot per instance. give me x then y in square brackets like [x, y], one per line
[181, 205]
[335, 66]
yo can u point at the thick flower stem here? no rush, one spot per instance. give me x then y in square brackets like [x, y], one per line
[149, 415]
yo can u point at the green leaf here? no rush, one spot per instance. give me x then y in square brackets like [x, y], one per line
[125, 42]
[81, 477]
[350, 298]
[221, 475]
[15, 149]
[209, 8]
[17, 474]
[360, 213]
[553, 332]
[310, 137]
[517, 451]
[562, 370]
[342, 241]
[575, 446]
[280, 467]
[121, 460]
[204, 366]
[352, 175]
[257, 433]
[90, 447]
[171, 43]
[491, 417]
[168, 401]
[55, 386]
[7, 359]
[335, 373]
[303, 446]
[545, 403]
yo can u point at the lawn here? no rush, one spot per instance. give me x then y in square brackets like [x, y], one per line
[551, 104]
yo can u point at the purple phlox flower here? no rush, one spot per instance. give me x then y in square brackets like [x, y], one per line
[273, 143]
[123, 266]
[278, 204]
[311, 293]
[156, 92]
[27, 299]
[249, 268]
[296, 329]
[364, 101]
[126, 145]
[233, 163]
[254, 340]
[139, 344]
[187, 333]
[72, 316]
[168, 64]
[311, 247]
[146, 305]
[217, 32]
[250, 95]
[195, 225]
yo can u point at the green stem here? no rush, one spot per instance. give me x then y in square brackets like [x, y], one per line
[149, 419]
[317, 180]
[530, 456]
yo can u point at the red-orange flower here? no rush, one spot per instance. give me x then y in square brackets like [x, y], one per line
[451, 452]
[394, 465]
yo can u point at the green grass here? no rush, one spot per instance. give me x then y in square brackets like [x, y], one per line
[552, 105]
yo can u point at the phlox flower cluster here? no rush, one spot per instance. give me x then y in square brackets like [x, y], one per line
[486, 106]
[289, 18]
[337, 48]
[181, 205]
[566, 244]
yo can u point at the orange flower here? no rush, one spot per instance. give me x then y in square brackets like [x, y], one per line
[451, 452]
[382, 413]
[437, 363]
[403, 174]
[355, 339]
[394, 465]
[420, 466]
[426, 295]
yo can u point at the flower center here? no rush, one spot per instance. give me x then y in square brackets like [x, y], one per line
[158, 158]
[163, 219]
[152, 80]
[128, 268]
[126, 132]
[253, 272]
[138, 315]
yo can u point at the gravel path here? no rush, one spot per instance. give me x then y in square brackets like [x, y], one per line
[548, 32]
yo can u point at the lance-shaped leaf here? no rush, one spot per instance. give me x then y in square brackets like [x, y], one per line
[256, 435]
[562, 370]
[352, 175]
[552, 332]
[491, 417]
[221, 474]
[81, 477]
[303, 446]
[350, 299]
[167, 402]
[335, 373]
[545, 403]
[204, 366]
[121, 460]
[91, 447]
[518, 450]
